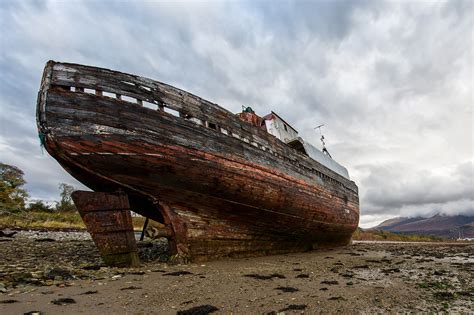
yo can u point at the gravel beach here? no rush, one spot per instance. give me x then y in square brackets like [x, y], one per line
[61, 272]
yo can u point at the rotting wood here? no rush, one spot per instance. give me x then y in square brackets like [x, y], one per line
[108, 220]
[238, 193]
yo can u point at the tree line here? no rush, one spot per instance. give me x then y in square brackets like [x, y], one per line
[14, 197]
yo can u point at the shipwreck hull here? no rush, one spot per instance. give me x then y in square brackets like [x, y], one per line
[221, 186]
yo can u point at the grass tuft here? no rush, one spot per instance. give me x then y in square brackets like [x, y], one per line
[50, 221]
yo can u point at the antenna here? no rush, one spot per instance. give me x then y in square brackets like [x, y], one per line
[322, 140]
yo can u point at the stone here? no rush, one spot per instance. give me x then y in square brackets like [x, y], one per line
[63, 301]
[202, 309]
[52, 273]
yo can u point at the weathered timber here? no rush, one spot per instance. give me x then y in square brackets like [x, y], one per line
[108, 220]
[222, 186]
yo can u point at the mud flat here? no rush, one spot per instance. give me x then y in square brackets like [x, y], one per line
[53, 273]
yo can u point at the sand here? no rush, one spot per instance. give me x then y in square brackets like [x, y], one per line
[65, 275]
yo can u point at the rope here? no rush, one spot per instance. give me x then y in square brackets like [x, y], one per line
[42, 138]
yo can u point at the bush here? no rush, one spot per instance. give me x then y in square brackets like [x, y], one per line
[65, 204]
[40, 206]
[12, 195]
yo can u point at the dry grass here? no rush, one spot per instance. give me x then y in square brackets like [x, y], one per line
[138, 222]
[372, 235]
[51, 221]
[42, 220]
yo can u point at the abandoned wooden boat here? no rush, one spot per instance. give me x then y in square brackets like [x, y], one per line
[222, 184]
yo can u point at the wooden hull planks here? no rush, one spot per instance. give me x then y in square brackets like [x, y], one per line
[221, 186]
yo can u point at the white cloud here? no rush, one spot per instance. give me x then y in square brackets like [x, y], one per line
[393, 81]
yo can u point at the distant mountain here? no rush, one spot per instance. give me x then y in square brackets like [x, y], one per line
[438, 225]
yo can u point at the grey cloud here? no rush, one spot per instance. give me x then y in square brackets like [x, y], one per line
[392, 81]
[330, 20]
[395, 186]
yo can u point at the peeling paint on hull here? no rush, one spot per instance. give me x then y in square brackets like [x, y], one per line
[230, 190]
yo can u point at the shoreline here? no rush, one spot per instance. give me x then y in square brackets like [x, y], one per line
[136, 230]
[365, 277]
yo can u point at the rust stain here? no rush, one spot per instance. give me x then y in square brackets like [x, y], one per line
[219, 182]
[108, 220]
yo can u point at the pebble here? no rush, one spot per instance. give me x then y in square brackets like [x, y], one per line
[72, 256]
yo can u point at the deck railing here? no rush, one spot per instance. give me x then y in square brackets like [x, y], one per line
[181, 104]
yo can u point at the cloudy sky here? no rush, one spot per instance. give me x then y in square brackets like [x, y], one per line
[391, 81]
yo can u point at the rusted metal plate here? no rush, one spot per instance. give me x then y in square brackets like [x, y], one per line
[108, 220]
[100, 201]
[252, 119]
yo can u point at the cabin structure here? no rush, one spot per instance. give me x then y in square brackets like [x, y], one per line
[276, 126]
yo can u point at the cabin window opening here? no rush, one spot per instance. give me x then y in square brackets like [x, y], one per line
[255, 144]
[129, 99]
[224, 131]
[284, 126]
[62, 87]
[171, 111]
[235, 135]
[108, 94]
[90, 91]
[72, 89]
[150, 105]
[346, 200]
[211, 125]
[118, 96]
